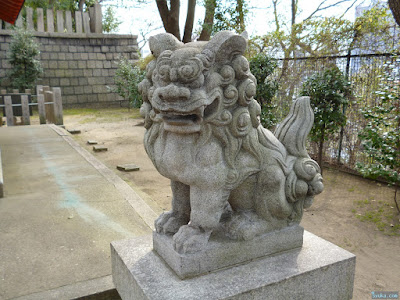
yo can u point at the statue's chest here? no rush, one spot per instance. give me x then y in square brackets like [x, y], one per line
[179, 157]
[174, 155]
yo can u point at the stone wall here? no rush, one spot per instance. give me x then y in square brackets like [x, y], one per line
[83, 65]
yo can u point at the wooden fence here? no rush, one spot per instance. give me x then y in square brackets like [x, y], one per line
[40, 20]
[49, 103]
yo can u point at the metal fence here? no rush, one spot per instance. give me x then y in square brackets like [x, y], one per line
[363, 72]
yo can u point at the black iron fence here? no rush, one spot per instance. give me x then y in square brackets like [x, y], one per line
[364, 72]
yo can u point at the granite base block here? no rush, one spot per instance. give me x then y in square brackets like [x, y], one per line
[318, 270]
[221, 252]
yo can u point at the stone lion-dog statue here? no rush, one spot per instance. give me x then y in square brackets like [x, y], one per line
[227, 172]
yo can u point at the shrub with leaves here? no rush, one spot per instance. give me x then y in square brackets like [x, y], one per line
[110, 21]
[262, 66]
[22, 55]
[127, 77]
[381, 136]
[327, 90]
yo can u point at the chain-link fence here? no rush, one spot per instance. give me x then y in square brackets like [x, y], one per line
[363, 72]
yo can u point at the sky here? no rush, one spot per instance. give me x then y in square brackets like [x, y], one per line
[259, 21]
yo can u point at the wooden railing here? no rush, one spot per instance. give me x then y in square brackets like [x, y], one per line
[40, 20]
[49, 103]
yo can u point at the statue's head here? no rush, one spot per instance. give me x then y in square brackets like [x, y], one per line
[188, 85]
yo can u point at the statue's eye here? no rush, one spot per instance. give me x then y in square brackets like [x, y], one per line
[186, 71]
[191, 70]
[163, 72]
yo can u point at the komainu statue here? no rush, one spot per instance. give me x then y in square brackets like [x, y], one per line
[228, 173]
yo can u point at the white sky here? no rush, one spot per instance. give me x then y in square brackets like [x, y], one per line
[259, 21]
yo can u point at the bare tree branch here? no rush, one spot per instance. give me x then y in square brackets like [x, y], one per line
[275, 3]
[321, 7]
[354, 2]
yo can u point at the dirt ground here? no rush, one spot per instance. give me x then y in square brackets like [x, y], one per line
[353, 213]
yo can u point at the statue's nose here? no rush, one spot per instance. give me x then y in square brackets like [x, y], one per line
[173, 93]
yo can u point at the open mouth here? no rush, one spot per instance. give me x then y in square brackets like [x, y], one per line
[186, 118]
[180, 122]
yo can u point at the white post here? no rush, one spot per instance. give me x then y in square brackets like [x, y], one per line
[29, 18]
[40, 23]
[60, 21]
[78, 22]
[86, 24]
[68, 21]
[26, 120]
[19, 23]
[50, 21]
[41, 109]
[58, 108]
[49, 107]
[9, 111]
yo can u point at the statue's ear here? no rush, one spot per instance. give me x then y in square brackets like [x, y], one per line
[163, 41]
[226, 44]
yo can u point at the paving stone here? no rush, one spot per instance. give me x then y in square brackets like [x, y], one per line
[100, 148]
[128, 167]
[74, 131]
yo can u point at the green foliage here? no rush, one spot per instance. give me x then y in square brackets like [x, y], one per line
[230, 15]
[328, 90]
[26, 68]
[110, 22]
[127, 77]
[262, 66]
[381, 135]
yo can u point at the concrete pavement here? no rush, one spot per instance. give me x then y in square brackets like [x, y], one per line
[60, 211]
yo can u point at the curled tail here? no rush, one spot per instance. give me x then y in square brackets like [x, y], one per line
[294, 129]
[304, 180]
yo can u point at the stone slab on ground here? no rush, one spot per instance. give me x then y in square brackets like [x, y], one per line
[100, 148]
[318, 270]
[92, 142]
[128, 168]
[74, 131]
[221, 252]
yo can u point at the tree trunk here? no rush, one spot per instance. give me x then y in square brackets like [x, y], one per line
[394, 6]
[81, 3]
[170, 17]
[240, 18]
[187, 35]
[208, 20]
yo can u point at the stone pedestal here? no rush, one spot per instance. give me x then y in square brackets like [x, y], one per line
[318, 270]
[221, 252]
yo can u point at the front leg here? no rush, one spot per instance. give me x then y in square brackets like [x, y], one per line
[207, 206]
[170, 222]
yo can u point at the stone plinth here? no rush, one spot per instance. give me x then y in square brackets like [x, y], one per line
[318, 270]
[220, 252]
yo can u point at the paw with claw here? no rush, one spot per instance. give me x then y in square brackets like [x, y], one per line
[169, 222]
[190, 239]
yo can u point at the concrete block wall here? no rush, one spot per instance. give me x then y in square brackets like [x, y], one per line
[82, 65]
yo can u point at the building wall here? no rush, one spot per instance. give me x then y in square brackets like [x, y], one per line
[82, 65]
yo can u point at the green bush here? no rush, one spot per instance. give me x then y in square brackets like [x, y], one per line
[110, 21]
[381, 136]
[328, 91]
[127, 77]
[262, 66]
[25, 67]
